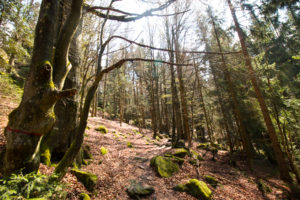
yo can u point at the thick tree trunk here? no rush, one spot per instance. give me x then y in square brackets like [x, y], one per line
[34, 117]
[284, 172]
[66, 110]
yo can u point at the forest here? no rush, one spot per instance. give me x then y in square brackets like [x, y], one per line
[140, 99]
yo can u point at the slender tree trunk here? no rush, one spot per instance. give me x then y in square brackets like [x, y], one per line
[284, 173]
[184, 110]
[246, 140]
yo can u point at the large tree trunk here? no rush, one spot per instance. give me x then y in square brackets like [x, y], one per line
[284, 172]
[35, 115]
[66, 110]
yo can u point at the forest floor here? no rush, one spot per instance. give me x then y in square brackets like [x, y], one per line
[120, 165]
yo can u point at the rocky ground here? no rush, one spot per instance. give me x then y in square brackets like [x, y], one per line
[122, 164]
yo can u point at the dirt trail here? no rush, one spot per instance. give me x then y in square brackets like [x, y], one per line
[121, 165]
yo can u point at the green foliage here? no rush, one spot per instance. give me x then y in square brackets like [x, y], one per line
[31, 186]
[103, 150]
[102, 129]
[10, 87]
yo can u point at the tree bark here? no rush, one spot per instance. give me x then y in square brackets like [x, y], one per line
[284, 172]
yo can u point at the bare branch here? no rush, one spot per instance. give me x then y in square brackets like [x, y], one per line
[127, 17]
[122, 61]
[168, 50]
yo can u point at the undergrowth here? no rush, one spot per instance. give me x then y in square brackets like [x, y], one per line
[10, 87]
[33, 185]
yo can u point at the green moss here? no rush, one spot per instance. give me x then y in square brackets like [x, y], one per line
[84, 196]
[102, 129]
[195, 155]
[89, 180]
[203, 146]
[193, 161]
[136, 190]
[263, 187]
[211, 180]
[157, 138]
[86, 152]
[129, 145]
[103, 150]
[84, 162]
[45, 155]
[198, 189]
[181, 152]
[165, 167]
[180, 188]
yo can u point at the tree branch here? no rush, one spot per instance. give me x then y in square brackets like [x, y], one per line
[122, 61]
[167, 50]
[127, 17]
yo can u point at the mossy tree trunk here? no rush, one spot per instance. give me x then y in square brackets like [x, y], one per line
[35, 116]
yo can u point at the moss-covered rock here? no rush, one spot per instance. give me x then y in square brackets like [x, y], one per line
[179, 144]
[204, 146]
[89, 180]
[195, 155]
[84, 196]
[102, 129]
[180, 188]
[198, 189]
[181, 152]
[193, 161]
[103, 150]
[211, 180]
[195, 188]
[165, 167]
[136, 190]
[129, 145]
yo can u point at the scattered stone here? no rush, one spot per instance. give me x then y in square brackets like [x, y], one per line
[195, 188]
[211, 180]
[136, 190]
[102, 129]
[181, 152]
[142, 159]
[84, 196]
[89, 180]
[165, 167]
[141, 166]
